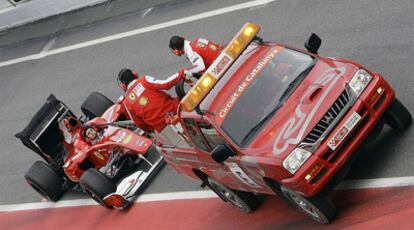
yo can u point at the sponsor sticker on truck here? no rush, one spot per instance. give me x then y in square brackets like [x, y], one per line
[343, 132]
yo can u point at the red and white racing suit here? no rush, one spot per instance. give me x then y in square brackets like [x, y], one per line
[147, 104]
[201, 53]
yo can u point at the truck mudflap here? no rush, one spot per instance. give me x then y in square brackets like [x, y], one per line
[131, 186]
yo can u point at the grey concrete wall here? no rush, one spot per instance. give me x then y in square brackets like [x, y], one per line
[69, 20]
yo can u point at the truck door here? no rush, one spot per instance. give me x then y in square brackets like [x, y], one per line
[205, 136]
[233, 172]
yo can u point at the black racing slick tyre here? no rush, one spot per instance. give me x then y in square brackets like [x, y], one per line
[245, 201]
[45, 180]
[318, 207]
[97, 186]
[95, 105]
[397, 116]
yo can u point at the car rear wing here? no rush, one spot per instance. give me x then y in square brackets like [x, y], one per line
[42, 134]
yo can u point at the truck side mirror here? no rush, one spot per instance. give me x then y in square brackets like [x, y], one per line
[220, 153]
[313, 43]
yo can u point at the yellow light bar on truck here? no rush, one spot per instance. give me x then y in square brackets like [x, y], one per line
[242, 39]
[219, 66]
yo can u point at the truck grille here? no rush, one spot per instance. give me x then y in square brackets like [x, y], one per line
[330, 118]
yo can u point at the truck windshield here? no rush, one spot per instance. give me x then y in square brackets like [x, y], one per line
[267, 90]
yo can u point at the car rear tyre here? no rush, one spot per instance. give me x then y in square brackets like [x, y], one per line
[318, 207]
[397, 116]
[97, 186]
[95, 105]
[45, 180]
[245, 201]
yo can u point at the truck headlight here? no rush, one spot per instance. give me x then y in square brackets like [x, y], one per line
[359, 81]
[296, 159]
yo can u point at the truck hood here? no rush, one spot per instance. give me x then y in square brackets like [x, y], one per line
[304, 109]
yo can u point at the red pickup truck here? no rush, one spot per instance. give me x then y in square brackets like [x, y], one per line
[271, 119]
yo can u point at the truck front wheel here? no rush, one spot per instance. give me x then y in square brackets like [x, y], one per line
[245, 201]
[318, 207]
[397, 116]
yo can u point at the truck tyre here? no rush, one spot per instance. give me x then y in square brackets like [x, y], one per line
[95, 105]
[245, 201]
[97, 186]
[45, 180]
[397, 116]
[318, 207]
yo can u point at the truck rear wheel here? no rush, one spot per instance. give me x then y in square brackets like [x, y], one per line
[97, 186]
[245, 201]
[318, 207]
[95, 105]
[397, 116]
[45, 180]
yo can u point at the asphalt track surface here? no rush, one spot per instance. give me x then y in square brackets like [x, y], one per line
[375, 33]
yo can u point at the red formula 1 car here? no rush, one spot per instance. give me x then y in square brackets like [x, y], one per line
[112, 169]
[268, 118]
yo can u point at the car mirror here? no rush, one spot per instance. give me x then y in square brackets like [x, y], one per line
[313, 43]
[220, 153]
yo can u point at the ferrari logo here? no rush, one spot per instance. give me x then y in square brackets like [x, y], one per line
[132, 96]
[143, 101]
[213, 47]
[99, 155]
[201, 44]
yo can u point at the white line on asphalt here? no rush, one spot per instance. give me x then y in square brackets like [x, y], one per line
[90, 202]
[46, 48]
[352, 184]
[377, 183]
[140, 31]
[146, 12]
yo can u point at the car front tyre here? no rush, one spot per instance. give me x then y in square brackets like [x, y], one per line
[245, 201]
[45, 180]
[318, 207]
[397, 116]
[97, 186]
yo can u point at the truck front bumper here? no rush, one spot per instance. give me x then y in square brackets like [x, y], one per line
[325, 163]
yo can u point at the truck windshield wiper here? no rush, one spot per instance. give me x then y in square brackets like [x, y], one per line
[260, 124]
[292, 86]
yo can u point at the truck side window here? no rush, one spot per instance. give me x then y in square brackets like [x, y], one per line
[195, 135]
[210, 133]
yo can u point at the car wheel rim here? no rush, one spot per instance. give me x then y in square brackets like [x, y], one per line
[305, 206]
[228, 194]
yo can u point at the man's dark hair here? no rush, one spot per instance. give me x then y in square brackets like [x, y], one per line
[176, 42]
[126, 76]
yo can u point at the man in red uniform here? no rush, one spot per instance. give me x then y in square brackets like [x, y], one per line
[146, 102]
[200, 52]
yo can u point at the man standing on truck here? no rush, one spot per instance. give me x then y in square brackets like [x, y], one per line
[146, 102]
[200, 52]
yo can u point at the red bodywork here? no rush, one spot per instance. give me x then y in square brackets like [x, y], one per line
[263, 157]
[97, 155]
